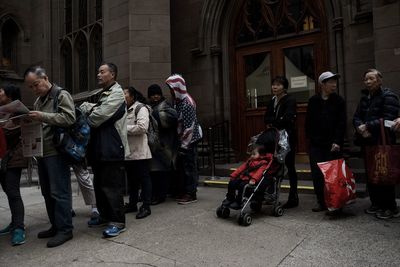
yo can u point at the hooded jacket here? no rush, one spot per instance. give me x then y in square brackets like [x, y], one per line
[189, 130]
[254, 168]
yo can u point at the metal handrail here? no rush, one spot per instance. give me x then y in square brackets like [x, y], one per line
[217, 142]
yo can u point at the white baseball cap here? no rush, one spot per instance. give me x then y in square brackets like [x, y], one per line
[327, 75]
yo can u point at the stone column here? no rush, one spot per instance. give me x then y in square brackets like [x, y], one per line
[149, 43]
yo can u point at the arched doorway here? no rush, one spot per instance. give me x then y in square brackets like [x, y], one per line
[274, 37]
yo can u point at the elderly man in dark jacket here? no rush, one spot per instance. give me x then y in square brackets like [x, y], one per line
[325, 129]
[163, 160]
[377, 103]
[107, 150]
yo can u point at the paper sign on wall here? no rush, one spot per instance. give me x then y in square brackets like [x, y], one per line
[298, 82]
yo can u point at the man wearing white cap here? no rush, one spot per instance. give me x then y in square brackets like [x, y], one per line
[325, 129]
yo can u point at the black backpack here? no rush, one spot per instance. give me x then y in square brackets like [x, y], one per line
[73, 141]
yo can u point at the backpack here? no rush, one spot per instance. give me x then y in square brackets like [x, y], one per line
[73, 141]
[153, 138]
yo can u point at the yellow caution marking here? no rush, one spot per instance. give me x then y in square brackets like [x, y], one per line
[212, 182]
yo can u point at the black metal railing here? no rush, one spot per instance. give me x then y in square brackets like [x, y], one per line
[215, 146]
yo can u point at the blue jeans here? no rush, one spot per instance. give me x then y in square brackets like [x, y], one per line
[55, 182]
[187, 165]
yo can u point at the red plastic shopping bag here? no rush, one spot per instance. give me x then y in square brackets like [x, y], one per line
[340, 185]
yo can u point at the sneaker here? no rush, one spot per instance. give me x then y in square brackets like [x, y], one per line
[6, 230]
[97, 222]
[113, 231]
[143, 212]
[319, 208]
[386, 214]
[59, 239]
[372, 210]
[187, 199]
[128, 207]
[47, 233]
[18, 237]
[94, 215]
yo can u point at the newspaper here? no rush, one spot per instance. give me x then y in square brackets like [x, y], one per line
[32, 139]
[15, 109]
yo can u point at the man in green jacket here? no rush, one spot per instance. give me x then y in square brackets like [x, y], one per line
[54, 172]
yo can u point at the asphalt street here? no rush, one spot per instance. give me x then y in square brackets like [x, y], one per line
[192, 235]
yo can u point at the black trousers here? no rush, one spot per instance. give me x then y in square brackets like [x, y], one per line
[138, 175]
[233, 186]
[160, 184]
[10, 182]
[291, 167]
[320, 154]
[382, 196]
[108, 182]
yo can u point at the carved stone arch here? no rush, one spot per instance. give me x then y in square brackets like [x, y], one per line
[66, 68]
[95, 53]
[7, 17]
[11, 38]
[81, 62]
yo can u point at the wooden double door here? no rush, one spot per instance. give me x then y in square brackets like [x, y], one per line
[300, 59]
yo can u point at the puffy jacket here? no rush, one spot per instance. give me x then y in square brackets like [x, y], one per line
[137, 132]
[382, 104]
[253, 169]
[107, 119]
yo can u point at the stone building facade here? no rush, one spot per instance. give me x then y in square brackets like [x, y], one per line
[227, 50]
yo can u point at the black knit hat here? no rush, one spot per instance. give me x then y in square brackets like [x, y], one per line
[154, 89]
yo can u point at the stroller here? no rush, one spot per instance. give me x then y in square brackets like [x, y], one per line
[266, 191]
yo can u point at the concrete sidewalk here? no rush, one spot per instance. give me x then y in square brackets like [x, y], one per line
[192, 235]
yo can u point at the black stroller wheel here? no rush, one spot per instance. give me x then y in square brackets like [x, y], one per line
[225, 212]
[245, 219]
[278, 211]
[219, 212]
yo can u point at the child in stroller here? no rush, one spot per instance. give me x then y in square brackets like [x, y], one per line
[254, 177]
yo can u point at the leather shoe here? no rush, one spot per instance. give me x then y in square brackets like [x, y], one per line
[143, 213]
[319, 208]
[59, 239]
[291, 203]
[48, 233]
[157, 201]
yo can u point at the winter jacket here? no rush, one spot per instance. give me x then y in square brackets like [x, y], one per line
[189, 130]
[382, 104]
[253, 169]
[137, 127]
[167, 119]
[107, 119]
[325, 122]
[14, 147]
[283, 115]
[65, 116]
